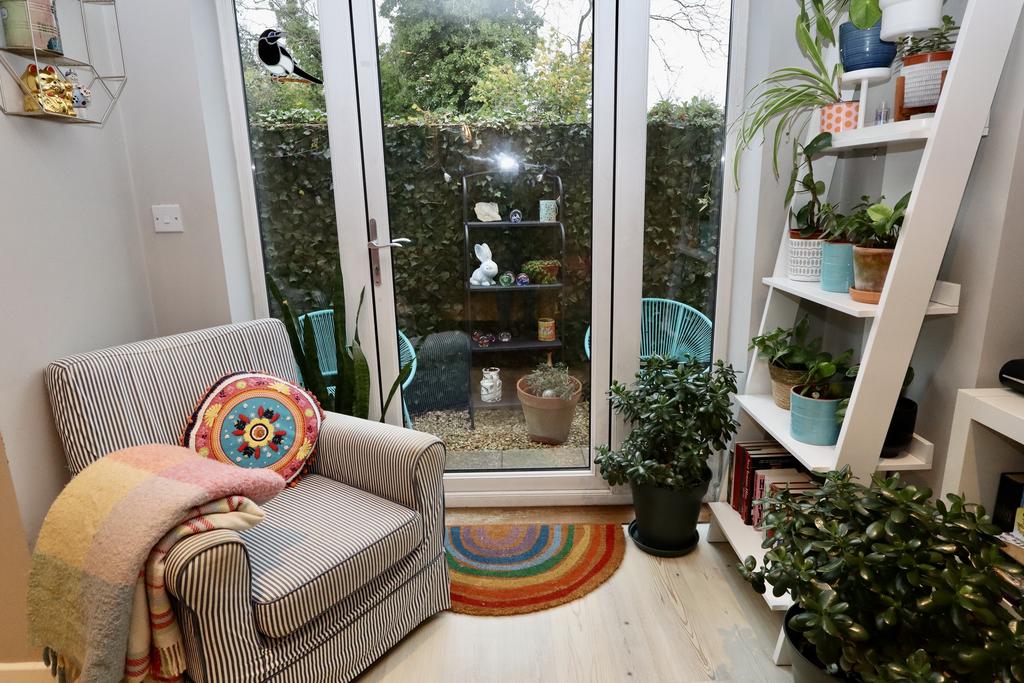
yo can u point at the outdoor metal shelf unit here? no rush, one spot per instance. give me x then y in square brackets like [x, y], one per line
[505, 294]
[112, 85]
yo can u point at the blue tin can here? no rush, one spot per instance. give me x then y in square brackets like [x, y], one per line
[813, 420]
[836, 267]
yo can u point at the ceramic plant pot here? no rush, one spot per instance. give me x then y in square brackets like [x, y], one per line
[909, 17]
[901, 428]
[836, 267]
[783, 381]
[813, 420]
[666, 519]
[548, 420]
[922, 78]
[870, 268]
[804, 263]
[806, 668]
[863, 48]
[839, 116]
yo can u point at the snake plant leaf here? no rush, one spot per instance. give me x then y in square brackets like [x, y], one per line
[289, 320]
[361, 384]
[343, 386]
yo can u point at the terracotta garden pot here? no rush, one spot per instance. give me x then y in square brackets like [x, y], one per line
[870, 268]
[783, 382]
[923, 77]
[549, 420]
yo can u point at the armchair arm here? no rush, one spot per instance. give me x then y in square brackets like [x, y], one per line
[402, 465]
[208, 574]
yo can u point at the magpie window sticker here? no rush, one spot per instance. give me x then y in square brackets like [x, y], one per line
[279, 62]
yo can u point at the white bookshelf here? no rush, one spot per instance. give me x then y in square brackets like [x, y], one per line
[949, 143]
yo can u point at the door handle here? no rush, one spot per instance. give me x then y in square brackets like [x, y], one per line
[375, 246]
[397, 242]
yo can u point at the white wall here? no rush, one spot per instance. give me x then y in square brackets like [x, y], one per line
[74, 280]
[180, 151]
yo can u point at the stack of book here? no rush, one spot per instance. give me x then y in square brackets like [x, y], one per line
[761, 468]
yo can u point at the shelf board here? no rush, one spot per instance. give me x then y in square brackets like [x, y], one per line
[745, 540]
[50, 116]
[775, 421]
[514, 288]
[910, 132]
[510, 224]
[45, 56]
[516, 345]
[812, 291]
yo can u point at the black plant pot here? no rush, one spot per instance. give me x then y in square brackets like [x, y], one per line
[666, 519]
[807, 668]
[901, 428]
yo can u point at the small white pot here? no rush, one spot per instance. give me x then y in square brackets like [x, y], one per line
[804, 263]
[909, 17]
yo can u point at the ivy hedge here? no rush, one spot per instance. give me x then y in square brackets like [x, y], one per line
[425, 165]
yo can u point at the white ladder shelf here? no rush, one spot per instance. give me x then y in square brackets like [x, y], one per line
[911, 290]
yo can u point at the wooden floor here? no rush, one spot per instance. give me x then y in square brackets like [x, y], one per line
[673, 620]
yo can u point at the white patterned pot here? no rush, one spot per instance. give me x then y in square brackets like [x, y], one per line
[804, 263]
[909, 17]
[490, 386]
[922, 78]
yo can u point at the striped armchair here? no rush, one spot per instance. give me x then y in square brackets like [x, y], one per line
[344, 564]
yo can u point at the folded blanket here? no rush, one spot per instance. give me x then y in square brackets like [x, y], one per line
[96, 593]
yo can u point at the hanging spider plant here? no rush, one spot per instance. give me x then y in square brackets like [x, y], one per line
[787, 95]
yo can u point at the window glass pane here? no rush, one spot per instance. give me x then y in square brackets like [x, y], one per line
[290, 152]
[497, 93]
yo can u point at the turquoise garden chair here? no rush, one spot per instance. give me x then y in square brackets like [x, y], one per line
[323, 332]
[671, 329]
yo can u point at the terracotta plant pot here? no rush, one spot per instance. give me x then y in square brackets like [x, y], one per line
[548, 420]
[870, 268]
[783, 382]
[839, 116]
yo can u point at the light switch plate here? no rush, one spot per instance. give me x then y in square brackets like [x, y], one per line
[167, 218]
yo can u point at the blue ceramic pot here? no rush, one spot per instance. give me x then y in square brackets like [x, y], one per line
[836, 267]
[863, 48]
[813, 420]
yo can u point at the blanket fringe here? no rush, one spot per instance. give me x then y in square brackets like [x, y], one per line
[172, 661]
[62, 668]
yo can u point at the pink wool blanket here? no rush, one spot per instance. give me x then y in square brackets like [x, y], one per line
[97, 601]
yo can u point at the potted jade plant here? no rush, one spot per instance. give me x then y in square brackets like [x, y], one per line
[815, 402]
[549, 396]
[814, 218]
[789, 354]
[786, 95]
[923, 64]
[875, 229]
[909, 17]
[890, 585]
[680, 414]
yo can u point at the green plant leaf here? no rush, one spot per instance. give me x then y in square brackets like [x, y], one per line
[865, 13]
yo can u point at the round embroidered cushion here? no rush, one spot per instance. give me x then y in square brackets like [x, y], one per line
[255, 420]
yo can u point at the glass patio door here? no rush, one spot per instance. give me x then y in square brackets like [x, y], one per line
[485, 140]
[528, 126]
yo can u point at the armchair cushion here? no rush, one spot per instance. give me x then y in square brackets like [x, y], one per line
[255, 420]
[320, 542]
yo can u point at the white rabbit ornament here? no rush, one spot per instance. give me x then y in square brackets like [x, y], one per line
[483, 276]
